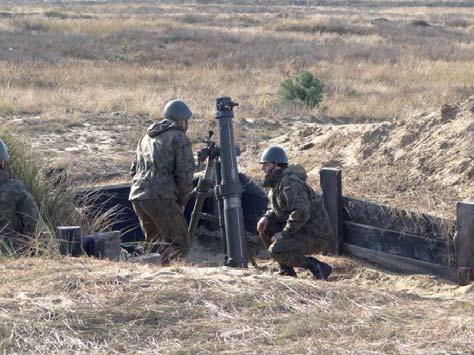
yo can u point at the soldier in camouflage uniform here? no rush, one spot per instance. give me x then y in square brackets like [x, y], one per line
[296, 224]
[162, 173]
[18, 210]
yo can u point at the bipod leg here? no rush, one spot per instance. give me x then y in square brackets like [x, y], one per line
[253, 262]
[220, 208]
[202, 192]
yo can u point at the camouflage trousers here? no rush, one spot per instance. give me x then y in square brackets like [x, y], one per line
[291, 251]
[164, 227]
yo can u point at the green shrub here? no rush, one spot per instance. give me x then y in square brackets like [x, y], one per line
[57, 199]
[304, 88]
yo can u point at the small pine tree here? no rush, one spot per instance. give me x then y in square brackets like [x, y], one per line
[304, 88]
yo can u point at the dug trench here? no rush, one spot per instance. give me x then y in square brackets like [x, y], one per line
[207, 243]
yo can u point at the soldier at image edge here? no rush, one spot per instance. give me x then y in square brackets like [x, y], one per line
[162, 172]
[18, 210]
[296, 224]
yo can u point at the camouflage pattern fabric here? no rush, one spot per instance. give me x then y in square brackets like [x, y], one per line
[163, 167]
[164, 227]
[18, 213]
[297, 213]
[162, 173]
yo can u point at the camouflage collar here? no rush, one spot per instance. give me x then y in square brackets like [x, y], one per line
[3, 177]
[273, 179]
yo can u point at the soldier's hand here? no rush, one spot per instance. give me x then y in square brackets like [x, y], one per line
[277, 237]
[262, 225]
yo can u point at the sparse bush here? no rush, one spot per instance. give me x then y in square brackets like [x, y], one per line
[304, 88]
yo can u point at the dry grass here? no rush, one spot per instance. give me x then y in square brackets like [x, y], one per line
[133, 57]
[66, 66]
[83, 80]
[82, 305]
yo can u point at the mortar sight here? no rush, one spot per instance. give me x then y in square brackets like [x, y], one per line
[225, 106]
[209, 151]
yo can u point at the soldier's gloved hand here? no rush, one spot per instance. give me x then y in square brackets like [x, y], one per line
[262, 225]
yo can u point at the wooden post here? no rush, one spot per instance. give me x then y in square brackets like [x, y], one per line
[464, 241]
[331, 186]
[70, 240]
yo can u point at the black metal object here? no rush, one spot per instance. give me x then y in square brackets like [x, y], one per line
[230, 188]
[70, 240]
[210, 155]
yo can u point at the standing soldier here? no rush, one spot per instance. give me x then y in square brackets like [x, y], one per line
[18, 210]
[162, 173]
[296, 224]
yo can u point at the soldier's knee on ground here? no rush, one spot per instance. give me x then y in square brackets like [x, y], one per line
[277, 252]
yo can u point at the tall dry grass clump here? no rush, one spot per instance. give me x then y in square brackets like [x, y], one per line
[58, 201]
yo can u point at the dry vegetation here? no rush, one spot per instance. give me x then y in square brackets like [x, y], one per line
[423, 163]
[86, 306]
[67, 66]
[81, 81]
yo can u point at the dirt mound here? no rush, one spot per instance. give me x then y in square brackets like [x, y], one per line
[438, 146]
[424, 162]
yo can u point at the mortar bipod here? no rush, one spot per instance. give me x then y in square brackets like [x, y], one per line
[209, 186]
[202, 191]
[210, 155]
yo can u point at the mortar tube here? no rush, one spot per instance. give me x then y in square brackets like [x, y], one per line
[230, 187]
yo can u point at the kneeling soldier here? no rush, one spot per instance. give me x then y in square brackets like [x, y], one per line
[296, 223]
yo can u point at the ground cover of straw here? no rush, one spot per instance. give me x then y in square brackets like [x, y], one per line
[80, 81]
[90, 306]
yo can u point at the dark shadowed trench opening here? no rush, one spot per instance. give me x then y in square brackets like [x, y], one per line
[254, 203]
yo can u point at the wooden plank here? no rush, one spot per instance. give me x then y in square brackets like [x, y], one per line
[401, 244]
[464, 240]
[70, 240]
[381, 216]
[402, 263]
[331, 186]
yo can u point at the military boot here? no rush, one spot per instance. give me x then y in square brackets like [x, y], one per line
[320, 270]
[286, 270]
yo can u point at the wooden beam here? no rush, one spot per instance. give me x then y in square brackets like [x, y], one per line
[331, 187]
[401, 244]
[70, 240]
[401, 263]
[381, 216]
[464, 240]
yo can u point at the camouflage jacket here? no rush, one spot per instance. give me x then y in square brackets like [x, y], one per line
[163, 167]
[18, 210]
[295, 203]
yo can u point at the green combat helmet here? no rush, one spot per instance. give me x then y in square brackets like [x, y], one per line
[177, 110]
[3, 151]
[274, 155]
